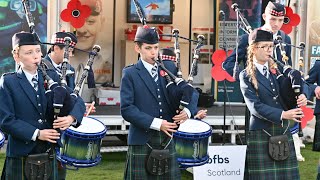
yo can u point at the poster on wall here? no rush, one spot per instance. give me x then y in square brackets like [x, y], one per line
[313, 40]
[13, 20]
[251, 10]
[156, 11]
[97, 30]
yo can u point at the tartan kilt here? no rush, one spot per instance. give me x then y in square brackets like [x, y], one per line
[259, 165]
[316, 139]
[14, 168]
[136, 160]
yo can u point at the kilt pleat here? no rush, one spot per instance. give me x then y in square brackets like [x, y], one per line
[261, 166]
[316, 139]
[136, 159]
[15, 168]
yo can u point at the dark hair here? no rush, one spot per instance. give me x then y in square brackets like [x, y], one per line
[139, 43]
[60, 46]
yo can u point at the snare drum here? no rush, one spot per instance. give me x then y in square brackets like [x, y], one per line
[81, 146]
[191, 143]
[2, 139]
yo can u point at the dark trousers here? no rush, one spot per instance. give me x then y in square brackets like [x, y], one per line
[316, 139]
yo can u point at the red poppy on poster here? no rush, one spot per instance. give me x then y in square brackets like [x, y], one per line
[217, 72]
[290, 19]
[75, 13]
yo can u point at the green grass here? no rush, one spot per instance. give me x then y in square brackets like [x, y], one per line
[112, 167]
[309, 168]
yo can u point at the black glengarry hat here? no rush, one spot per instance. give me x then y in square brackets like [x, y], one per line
[259, 35]
[167, 54]
[147, 35]
[24, 38]
[58, 38]
[275, 9]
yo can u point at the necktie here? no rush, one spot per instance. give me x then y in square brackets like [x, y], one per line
[59, 69]
[35, 82]
[265, 72]
[154, 73]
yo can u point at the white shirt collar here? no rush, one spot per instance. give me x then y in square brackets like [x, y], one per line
[53, 63]
[260, 67]
[30, 76]
[275, 35]
[148, 66]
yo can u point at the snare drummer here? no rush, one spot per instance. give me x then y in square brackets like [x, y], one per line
[145, 105]
[268, 118]
[23, 108]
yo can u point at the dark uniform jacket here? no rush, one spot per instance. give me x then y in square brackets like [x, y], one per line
[140, 102]
[228, 65]
[265, 105]
[314, 77]
[23, 110]
[70, 77]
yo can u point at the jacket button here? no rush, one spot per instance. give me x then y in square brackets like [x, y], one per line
[40, 121]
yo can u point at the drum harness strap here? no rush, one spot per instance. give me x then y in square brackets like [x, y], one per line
[278, 145]
[163, 144]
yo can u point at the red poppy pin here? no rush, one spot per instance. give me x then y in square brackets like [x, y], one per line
[75, 13]
[163, 73]
[290, 19]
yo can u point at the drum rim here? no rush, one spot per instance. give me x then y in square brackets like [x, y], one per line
[97, 134]
[78, 163]
[187, 165]
[183, 134]
[189, 160]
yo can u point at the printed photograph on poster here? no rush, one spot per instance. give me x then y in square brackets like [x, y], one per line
[313, 33]
[156, 11]
[97, 30]
[13, 20]
[251, 10]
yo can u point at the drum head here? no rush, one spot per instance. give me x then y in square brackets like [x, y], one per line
[1, 136]
[194, 126]
[2, 139]
[89, 126]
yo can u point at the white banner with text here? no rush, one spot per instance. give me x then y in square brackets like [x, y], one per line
[225, 163]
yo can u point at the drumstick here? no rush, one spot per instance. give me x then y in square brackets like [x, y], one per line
[90, 108]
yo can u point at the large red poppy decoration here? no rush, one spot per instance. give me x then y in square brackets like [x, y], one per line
[217, 72]
[75, 13]
[308, 116]
[290, 19]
